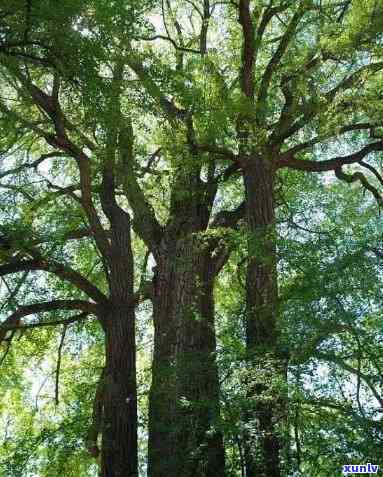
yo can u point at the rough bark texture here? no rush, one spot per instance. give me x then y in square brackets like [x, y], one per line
[261, 283]
[209, 385]
[263, 453]
[184, 400]
[119, 426]
[119, 430]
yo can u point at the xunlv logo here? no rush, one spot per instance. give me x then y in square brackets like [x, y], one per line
[361, 469]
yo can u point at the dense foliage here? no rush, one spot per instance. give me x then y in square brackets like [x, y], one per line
[191, 247]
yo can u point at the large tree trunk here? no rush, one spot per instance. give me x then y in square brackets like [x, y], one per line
[208, 392]
[263, 452]
[184, 400]
[119, 429]
[119, 420]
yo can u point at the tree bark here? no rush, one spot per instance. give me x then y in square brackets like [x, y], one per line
[263, 451]
[119, 428]
[208, 393]
[184, 397]
[119, 424]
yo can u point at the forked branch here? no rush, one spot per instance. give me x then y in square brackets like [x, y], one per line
[358, 176]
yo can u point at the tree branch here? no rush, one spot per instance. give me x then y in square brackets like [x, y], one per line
[62, 271]
[334, 133]
[248, 51]
[276, 58]
[344, 409]
[32, 165]
[373, 170]
[168, 38]
[13, 321]
[332, 358]
[171, 111]
[50, 105]
[9, 341]
[58, 366]
[95, 427]
[14, 292]
[350, 80]
[220, 151]
[145, 222]
[229, 218]
[358, 176]
[311, 110]
[288, 160]
[44, 324]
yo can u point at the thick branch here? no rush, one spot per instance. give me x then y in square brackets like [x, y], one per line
[99, 233]
[373, 170]
[229, 218]
[276, 58]
[289, 160]
[62, 271]
[204, 27]
[248, 54]
[45, 324]
[118, 218]
[13, 321]
[145, 222]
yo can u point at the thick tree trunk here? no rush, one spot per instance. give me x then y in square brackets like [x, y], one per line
[119, 429]
[119, 423]
[208, 393]
[263, 452]
[184, 398]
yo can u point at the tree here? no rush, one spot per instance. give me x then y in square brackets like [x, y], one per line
[286, 91]
[115, 309]
[111, 149]
[269, 140]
